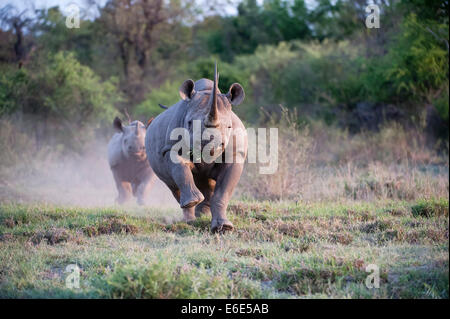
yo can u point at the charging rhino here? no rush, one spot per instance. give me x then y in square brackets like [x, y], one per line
[128, 161]
[200, 186]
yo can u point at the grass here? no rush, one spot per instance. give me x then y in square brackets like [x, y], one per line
[278, 250]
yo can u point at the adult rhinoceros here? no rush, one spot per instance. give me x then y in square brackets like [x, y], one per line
[200, 186]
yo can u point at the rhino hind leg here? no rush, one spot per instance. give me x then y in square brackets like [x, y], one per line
[203, 209]
[189, 214]
[207, 189]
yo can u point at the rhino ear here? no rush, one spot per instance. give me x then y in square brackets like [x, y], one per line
[117, 123]
[187, 90]
[236, 94]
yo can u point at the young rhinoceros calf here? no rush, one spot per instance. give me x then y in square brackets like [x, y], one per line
[200, 186]
[128, 161]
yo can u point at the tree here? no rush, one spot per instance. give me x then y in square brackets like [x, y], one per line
[137, 28]
[16, 22]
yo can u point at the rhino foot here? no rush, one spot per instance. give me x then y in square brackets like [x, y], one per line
[188, 215]
[221, 225]
[202, 210]
[191, 199]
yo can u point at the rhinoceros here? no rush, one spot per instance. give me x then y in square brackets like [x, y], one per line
[200, 187]
[128, 161]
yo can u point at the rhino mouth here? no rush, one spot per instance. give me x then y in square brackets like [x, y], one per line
[217, 150]
[139, 155]
[198, 157]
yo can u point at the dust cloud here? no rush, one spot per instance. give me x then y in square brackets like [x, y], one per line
[82, 180]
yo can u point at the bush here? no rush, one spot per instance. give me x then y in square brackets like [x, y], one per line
[415, 66]
[313, 77]
[167, 94]
[61, 96]
[228, 73]
[293, 173]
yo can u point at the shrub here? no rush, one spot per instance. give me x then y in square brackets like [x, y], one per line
[166, 94]
[59, 98]
[415, 66]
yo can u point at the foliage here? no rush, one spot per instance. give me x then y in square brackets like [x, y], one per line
[67, 97]
[415, 67]
[166, 94]
[319, 60]
[53, 35]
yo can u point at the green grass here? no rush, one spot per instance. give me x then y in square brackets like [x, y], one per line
[278, 250]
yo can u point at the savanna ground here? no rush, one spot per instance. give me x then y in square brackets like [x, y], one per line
[308, 231]
[278, 250]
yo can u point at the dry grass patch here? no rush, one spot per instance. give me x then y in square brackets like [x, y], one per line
[250, 252]
[55, 236]
[110, 226]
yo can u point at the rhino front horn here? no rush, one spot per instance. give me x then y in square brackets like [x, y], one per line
[212, 118]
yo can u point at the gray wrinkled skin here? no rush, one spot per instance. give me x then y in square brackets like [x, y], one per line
[128, 162]
[199, 187]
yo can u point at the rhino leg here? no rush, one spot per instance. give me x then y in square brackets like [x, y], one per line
[143, 189]
[176, 193]
[134, 187]
[226, 182]
[189, 214]
[124, 189]
[207, 189]
[182, 176]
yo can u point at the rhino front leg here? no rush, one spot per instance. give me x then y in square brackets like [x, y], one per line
[188, 213]
[143, 189]
[123, 188]
[182, 176]
[226, 182]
